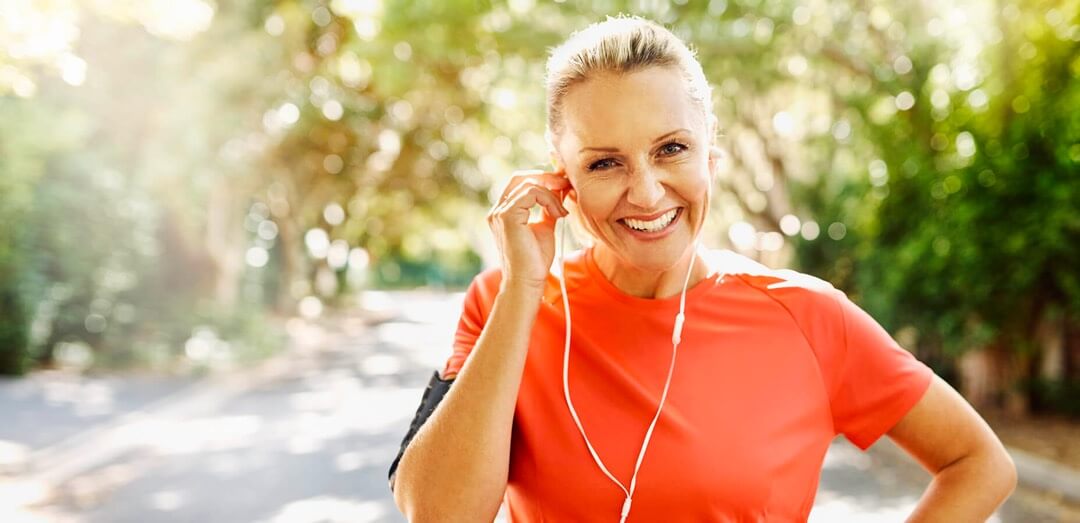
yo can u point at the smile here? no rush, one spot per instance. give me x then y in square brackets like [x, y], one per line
[652, 228]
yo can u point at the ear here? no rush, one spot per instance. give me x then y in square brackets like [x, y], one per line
[715, 152]
[559, 166]
[715, 155]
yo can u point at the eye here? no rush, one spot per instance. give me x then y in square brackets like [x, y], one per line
[601, 164]
[672, 148]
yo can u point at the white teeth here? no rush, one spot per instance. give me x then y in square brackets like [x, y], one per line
[654, 225]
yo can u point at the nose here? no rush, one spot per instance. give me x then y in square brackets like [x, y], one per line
[645, 189]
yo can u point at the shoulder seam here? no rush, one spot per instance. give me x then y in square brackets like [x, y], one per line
[821, 375]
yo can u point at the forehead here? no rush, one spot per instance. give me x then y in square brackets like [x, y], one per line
[613, 109]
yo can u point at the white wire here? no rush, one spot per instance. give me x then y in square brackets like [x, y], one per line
[676, 338]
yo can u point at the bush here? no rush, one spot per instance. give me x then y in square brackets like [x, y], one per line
[14, 330]
[1058, 396]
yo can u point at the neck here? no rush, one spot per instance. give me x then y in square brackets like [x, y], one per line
[643, 283]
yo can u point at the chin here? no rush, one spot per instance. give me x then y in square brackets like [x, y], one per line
[652, 259]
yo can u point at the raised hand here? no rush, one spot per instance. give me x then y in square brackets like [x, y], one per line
[528, 248]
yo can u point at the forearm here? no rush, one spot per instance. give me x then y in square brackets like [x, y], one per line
[459, 459]
[969, 490]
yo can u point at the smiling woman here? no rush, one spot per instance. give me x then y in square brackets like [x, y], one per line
[636, 147]
[630, 123]
[773, 364]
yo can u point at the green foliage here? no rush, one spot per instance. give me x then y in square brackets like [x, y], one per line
[23, 160]
[400, 271]
[14, 331]
[978, 234]
[184, 184]
[1061, 396]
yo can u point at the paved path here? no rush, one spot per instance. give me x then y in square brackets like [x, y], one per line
[309, 439]
[46, 408]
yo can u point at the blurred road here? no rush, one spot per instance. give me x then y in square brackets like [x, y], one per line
[309, 437]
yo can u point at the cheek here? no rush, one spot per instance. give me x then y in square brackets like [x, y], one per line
[702, 187]
[596, 199]
[693, 182]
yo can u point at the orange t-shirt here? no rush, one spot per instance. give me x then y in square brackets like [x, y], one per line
[764, 380]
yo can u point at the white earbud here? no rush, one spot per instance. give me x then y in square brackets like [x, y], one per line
[676, 335]
[676, 338]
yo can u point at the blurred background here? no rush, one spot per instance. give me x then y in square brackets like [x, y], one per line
[191, 191]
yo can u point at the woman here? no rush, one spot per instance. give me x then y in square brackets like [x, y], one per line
[770, 366]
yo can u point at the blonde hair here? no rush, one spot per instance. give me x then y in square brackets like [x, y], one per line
[618, 45]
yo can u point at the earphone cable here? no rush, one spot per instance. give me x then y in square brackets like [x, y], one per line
[676, 338]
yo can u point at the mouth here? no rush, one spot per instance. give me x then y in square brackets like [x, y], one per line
[653, 229]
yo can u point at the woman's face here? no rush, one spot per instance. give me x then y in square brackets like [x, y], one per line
[635, 147]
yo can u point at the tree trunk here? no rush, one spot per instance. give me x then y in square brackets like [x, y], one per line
[224, 241]
[292, 263]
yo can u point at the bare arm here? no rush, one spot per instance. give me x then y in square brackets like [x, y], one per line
[973, 474]
[456, 467]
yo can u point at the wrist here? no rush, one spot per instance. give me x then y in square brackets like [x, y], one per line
[522, 289]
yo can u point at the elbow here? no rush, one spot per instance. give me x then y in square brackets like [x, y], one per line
[419, 508]
[406, 501]
[400, 499]
[427, 514]
[452, 516]
[1003, 469]
[454, 513]
[991, 472]
[413, 511]
[999, 471]
[1008, 473]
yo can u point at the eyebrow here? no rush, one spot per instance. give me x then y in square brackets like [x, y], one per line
[616, 149]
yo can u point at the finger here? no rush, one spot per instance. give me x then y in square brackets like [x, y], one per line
[551, 180]
[522, 201]
[546, 217]
[551, 200]
[519, 207]
[559, 187]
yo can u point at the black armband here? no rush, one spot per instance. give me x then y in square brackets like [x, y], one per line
[433, 394]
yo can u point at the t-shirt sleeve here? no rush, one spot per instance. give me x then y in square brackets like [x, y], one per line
[878, 380]
[474, 313]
